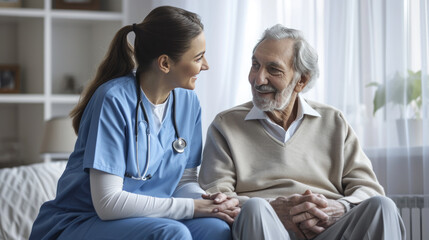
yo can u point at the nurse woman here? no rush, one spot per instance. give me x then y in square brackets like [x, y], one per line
[133, 171]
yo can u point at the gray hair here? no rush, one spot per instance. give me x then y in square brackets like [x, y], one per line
[304, 57]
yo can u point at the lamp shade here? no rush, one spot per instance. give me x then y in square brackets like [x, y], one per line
[58, 136]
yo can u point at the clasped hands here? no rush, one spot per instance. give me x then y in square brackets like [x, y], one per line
[307, 215]
[217, 205]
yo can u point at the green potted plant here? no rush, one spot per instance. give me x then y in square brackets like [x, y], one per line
[405, 93]
[413, 91]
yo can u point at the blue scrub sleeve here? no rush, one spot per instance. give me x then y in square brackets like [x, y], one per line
[196, 141]
[106, 144]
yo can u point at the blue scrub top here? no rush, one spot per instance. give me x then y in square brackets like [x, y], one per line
[106, 141]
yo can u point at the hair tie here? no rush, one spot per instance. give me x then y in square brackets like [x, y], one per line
[134, 27]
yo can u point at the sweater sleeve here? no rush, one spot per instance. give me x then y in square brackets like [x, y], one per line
[217, 173]
[111, 202]
[359, 180]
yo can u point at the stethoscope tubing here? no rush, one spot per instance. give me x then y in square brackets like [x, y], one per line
[179, 144]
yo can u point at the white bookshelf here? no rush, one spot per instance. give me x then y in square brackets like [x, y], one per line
[48, 44]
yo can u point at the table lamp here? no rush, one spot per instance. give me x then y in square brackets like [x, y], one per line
[59, 137]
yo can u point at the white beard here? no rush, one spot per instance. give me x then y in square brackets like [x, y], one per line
[280, 101]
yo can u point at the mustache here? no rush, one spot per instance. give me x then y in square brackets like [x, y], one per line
[265, 88]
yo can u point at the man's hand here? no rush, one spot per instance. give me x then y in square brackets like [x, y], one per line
[334, 210]
[216, 197]
[302, 206]
[311, 226]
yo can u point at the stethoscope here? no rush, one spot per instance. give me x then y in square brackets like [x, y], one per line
[179, 144]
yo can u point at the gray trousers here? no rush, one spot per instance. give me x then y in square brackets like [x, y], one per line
[375, 218]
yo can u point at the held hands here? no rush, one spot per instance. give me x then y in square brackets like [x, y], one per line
[298, 208]
[312, 214]
[311, 226]
[217, 205]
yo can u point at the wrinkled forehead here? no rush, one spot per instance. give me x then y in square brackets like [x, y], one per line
[275, 51]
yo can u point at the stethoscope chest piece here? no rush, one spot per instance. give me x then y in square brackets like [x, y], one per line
[179, 145]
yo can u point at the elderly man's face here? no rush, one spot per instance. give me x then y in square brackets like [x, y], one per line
[271, 74]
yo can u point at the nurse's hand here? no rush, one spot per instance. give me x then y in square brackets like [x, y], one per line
[226, 210]
[219, 198]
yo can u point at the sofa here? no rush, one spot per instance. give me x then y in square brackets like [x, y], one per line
[23, 190]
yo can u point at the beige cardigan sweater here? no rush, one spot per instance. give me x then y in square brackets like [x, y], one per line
[243, 160]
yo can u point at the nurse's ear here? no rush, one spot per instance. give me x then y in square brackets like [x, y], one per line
[164, 63]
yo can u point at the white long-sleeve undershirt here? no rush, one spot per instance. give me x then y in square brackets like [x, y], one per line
[112, 202]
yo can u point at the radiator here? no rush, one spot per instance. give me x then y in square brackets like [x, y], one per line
[414, 210]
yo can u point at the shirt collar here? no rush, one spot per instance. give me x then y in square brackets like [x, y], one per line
[303, 109]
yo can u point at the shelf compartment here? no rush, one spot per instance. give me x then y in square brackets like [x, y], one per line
[78, 48]
[104, 5]
[33, 4]
[21, 44]
[24, 4]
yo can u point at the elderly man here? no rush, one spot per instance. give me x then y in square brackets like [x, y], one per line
[295, 165]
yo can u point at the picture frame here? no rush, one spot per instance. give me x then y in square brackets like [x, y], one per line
[77, 4]
[10, 3]
[9, 79]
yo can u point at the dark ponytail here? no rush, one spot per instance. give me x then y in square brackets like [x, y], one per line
[117, 62]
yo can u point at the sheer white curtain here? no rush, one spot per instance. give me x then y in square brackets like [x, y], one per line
[359, 42]
[386, 42]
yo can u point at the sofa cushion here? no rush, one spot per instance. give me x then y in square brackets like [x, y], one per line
[23, 190]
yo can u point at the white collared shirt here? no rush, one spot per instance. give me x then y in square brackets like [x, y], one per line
[278, 131]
